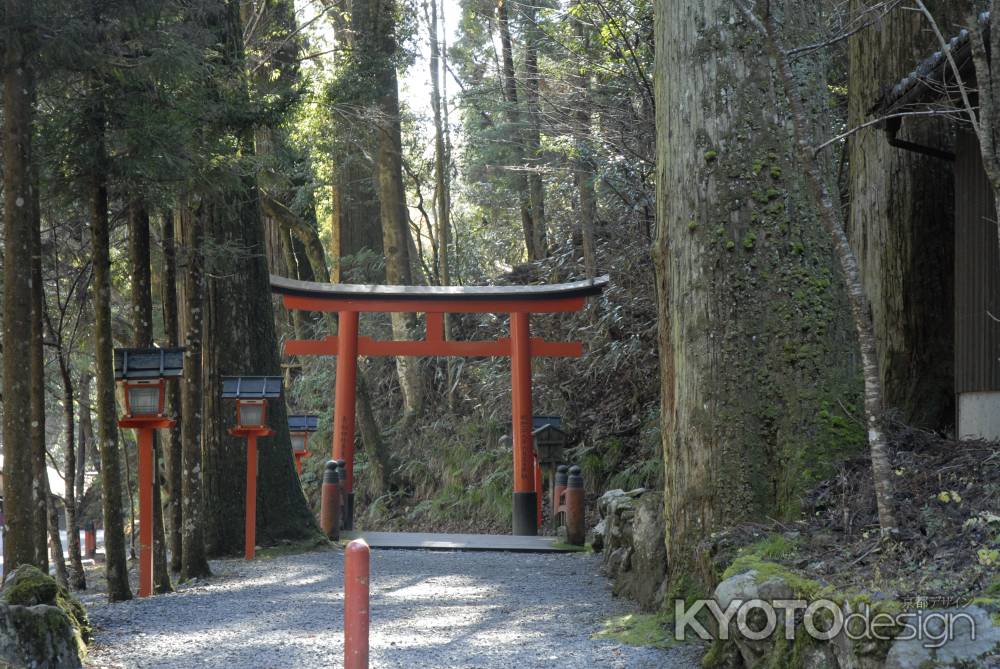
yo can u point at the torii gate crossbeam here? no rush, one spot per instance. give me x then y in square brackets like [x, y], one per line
[518, 301]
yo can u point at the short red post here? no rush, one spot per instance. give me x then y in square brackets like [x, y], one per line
[251, 505]
[90, 541]
[357, 569]
[145, 512]
[329, 514]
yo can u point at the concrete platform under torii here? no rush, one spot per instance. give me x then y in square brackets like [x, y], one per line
[462, 542]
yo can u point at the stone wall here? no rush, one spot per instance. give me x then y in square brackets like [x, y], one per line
[631, 536]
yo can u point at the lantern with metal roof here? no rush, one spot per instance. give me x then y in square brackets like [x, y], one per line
[299, 427]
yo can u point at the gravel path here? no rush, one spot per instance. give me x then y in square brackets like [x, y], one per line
[428, 609]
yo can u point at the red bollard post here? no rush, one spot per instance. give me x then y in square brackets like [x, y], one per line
[329, 514]
[575, 524]
[357, 569]
[90, 541]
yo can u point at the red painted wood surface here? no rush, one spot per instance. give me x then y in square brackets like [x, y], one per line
[145, 512]
[367, 305]
[344, 400]
[357, 573]
[372, 347]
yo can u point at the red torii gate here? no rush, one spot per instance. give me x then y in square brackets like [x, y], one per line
[348, 300]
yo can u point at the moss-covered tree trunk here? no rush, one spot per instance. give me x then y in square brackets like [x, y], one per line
[900, 224]
[756, 349]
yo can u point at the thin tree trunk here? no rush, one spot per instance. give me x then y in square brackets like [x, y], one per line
[86, 440]
[533, 141]
[194, 563]
[583, 168]
[519, 178]
[78, 579]
[173, 452]
[19, 545]
[40, 486]
[107, 428]
[142, 337]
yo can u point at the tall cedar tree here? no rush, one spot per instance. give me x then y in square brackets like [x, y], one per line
[240, 339]
[729, 299]
[194, 563]
[116, 567]
[173, 453]
[142, 337]
[19, 545]
[376, 49]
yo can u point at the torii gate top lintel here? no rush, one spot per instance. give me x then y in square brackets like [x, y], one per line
[548, 298]
[435, 301]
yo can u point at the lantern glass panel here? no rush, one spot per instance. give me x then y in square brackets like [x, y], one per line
[144, 400]
[299, 443]
[251, 414]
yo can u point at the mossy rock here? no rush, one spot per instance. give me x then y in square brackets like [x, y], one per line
[29, 586]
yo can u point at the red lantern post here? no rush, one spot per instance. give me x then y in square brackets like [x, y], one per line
[141, 374]
[251, 393]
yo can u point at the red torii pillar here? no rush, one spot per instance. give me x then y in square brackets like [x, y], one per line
[518, 301]
[344, 405]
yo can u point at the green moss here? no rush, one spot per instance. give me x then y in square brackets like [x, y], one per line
[295, 548]
[802, 587]
[775, 172]
[711, 156]
[572, 548]
[692, 226]
[639, 629]
[730, 245]
[29, 586]
[749, 241]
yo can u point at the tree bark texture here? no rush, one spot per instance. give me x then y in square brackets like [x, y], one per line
[142, 337]
[19, 545]
[519, 178]
[116, 568]
[900, 226]
[240, 339]
[194, 563]
[173, 457]
[747, 290]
